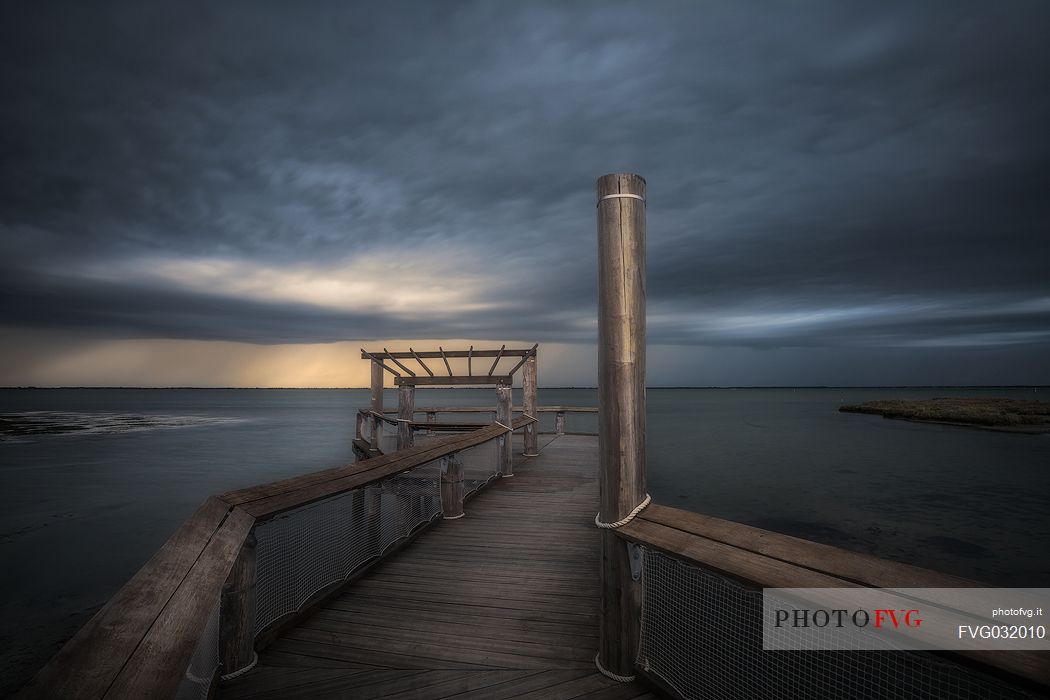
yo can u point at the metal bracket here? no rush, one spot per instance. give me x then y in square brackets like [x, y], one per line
[634, 554]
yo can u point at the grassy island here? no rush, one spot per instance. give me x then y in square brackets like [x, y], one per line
[1013, 415]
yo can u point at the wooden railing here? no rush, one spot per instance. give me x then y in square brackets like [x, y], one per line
[431, 413]
[140, 644]
[762, 559]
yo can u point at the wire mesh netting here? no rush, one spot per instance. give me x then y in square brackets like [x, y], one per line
[309, 548]
[479, 465]
[702, 635]
[387, 437]
[196, 683]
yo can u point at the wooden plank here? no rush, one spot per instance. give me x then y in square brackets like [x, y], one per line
[445, 358]
[404, 459]
[534, 682]
[87, 665]
[399, 364]
[378, 469]
[421, 363]
[157, 667]
[435, 354]
[488, 409]
[378, 362]
[455, 380]
[855, 567]
[760, 571]
[496, 361]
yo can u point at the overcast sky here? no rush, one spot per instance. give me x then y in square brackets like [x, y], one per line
[245, 193]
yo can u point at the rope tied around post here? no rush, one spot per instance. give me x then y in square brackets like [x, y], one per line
[627, 518]
[241, 671]
[621, 196]
[609, 674]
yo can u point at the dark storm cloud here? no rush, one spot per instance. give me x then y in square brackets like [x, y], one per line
[819, 174]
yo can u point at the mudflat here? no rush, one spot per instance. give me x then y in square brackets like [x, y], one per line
[1010, 415]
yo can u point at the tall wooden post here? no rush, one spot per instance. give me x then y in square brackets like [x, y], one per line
[621, 405]
[503, 415]
[237, 612]
[406, 408]
[377, 404]
[528, 390]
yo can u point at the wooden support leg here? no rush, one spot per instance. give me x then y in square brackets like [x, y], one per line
[452, 488]
[237, 621]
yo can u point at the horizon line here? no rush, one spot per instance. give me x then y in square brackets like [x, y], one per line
[459, 388]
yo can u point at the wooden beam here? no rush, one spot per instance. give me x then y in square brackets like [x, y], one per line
[159, 663]
[455, 354]
[89, 663]
[529, 400]
[376, 400]
[496, 361]
[453, 381]
[443, 357]
[452, 488]
[237, 616]
[421, 363]
[406, 404]
[621, 398]
[268, 500]
[395, 361]
[470, 357]
[532, 353]
[503, 415]
[373, 358]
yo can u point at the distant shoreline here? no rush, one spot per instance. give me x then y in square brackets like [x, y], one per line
[1002, 415]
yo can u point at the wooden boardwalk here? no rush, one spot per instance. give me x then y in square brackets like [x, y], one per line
[500, 604]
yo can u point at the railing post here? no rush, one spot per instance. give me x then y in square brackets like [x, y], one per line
[559, 422]
[503, 415]
[621, 404]
[377, 404]
[237, 612]
[528, 405]
[452, 487]
[406, 408]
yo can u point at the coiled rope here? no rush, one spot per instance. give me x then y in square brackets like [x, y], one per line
[627, 518]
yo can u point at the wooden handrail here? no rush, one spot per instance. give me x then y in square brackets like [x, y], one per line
[765, 559]
[141, 642]
[267, 500]
[490, 409]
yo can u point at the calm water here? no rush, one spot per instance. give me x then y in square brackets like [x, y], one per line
[82, 511]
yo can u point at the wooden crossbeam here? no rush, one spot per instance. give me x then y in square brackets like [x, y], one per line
[453, 354]
[522, 361]
[496, 361]
[394, 360]
[373, 358]
[421, 363]
[455, 380]
[443, 357]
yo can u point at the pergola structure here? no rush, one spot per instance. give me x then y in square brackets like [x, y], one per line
[406, 380]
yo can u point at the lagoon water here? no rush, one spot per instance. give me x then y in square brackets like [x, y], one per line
[80, 511]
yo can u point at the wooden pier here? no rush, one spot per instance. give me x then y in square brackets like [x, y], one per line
[483, 559]
[499, 604]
